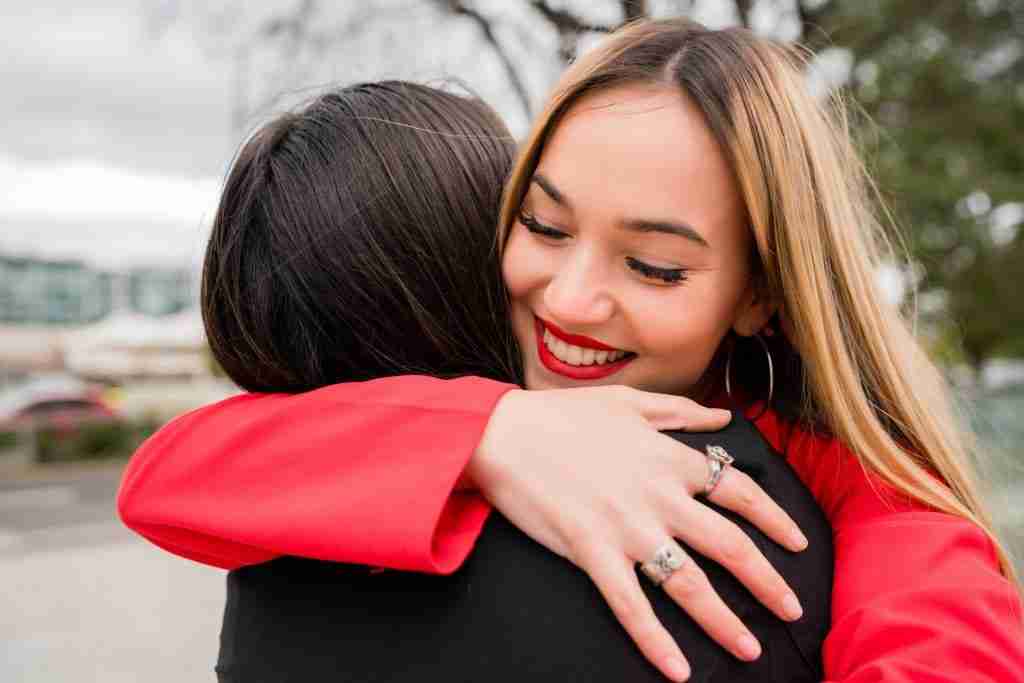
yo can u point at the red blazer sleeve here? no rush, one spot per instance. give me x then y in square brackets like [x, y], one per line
[362, 473]
[918, 597]
[917, 594]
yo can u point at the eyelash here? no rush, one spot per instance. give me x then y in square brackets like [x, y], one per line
[538, 228]
[668, 276]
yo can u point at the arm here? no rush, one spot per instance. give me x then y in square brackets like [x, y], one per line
[917, 595]
[367, 473]
[258, 476]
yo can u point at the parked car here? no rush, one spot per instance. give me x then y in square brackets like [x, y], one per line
[58, 403]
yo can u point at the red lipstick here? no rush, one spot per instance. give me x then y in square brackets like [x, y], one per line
[575, 339]
[580, 372]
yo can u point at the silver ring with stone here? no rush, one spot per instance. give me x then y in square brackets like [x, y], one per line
[667, 559]
[718, 460]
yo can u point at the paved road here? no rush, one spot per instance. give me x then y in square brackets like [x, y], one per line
[83, 599]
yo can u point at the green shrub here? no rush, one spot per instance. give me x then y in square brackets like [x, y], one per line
[92, 440]
[8, 440]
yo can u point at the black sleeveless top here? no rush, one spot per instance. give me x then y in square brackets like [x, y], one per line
[517, 612]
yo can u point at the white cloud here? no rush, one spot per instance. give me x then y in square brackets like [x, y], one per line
[89, 190]
[893, 281]
[1005, 221]
[830, 69]
[107, 215]
[89, 82]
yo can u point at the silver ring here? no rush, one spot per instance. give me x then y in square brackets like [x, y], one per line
[667, 559]
[718, 460]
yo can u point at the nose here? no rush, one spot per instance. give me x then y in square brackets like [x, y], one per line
[579, 293]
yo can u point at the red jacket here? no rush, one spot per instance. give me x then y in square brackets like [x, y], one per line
[366, 473]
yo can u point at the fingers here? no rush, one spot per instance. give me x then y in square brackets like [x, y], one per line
[664, 411]
[738, 492]
[613, 575]
[717, 538]
[689, 587]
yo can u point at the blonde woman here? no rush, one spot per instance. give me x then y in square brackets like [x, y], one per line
[685, 219]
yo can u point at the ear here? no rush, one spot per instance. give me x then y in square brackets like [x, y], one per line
[755, 309]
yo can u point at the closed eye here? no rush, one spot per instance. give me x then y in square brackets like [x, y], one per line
[668, 276]
[531, 223]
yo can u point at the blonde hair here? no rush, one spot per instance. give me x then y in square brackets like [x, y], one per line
[857, 371]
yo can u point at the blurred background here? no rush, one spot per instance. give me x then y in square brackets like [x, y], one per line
[120, 119]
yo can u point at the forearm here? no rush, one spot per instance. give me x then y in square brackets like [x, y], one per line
[360, 473]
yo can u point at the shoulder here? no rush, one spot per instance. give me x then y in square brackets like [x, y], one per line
[872, 521]
[846, 490]
[915, 589]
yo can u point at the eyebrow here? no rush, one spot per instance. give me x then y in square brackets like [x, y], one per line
[633, 225]
[550, 190]
[668, 228]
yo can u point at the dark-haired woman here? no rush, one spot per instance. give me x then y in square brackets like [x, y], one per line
[682, 200]
[343, 230]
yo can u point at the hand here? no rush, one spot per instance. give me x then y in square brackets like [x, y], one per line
[586, 473]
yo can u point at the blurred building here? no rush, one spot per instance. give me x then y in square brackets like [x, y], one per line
[111, 326]
[43, 292]
[52, 292]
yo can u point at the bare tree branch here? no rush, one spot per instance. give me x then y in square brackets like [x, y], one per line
[570, 27]
[292, 25]
[567, 22]
[459, 8]
[743, 8]
[812, 34]
[633, 9]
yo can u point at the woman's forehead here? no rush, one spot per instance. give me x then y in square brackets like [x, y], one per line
[642, 150]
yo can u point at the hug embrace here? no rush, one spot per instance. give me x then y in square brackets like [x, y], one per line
[622, 403]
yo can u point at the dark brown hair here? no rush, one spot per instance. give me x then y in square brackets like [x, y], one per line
[355, 239]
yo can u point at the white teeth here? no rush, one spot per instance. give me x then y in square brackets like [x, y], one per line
[577, 355]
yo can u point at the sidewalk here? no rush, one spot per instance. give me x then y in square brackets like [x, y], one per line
[84, 599]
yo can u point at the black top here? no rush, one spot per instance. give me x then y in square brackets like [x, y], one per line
[517, 612]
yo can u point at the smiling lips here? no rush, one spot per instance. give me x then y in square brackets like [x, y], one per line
[576, 356]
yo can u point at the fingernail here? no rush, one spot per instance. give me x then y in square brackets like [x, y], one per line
[678, 670]
[791, 607]
[722, 413]
[748, 647]
[797, 539]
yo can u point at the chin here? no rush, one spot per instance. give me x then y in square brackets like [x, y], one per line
[535, 379]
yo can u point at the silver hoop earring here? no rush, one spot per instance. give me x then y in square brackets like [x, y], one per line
[771, 374]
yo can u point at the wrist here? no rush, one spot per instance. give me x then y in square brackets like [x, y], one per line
[483, 469]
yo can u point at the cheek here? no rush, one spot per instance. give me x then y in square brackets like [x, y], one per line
[522, 268]
[679, 338]
[686, 324]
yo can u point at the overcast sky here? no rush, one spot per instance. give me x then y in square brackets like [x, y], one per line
[113, 139]
[116, 135]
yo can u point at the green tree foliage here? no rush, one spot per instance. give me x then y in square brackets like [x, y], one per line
[944, 82]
